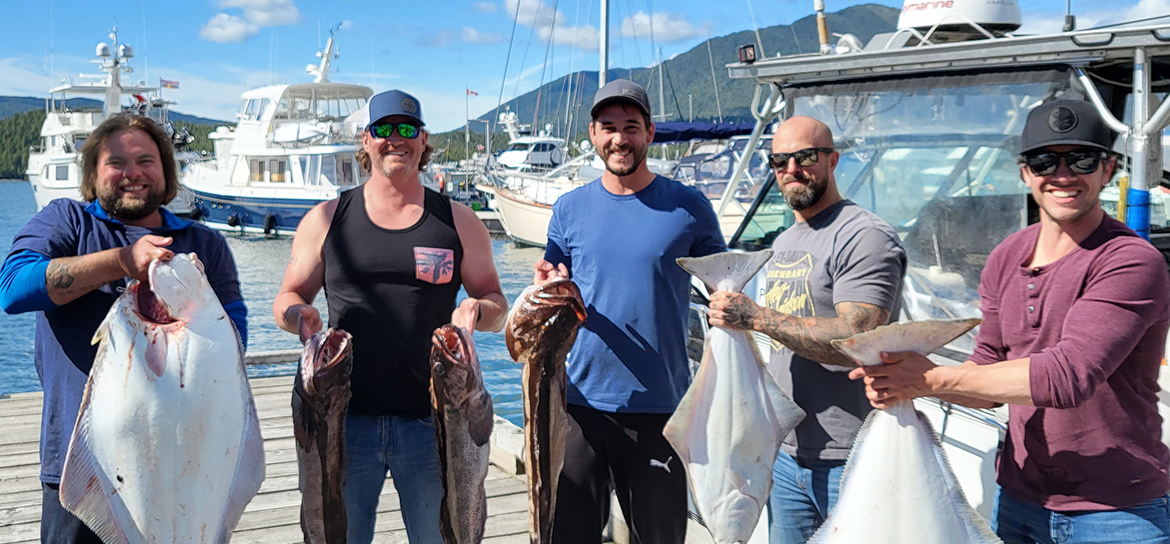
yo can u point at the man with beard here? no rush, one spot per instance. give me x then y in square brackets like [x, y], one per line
[836, 272]
[71, 262]
[1075, 313]
[618, 238]
[392, 256]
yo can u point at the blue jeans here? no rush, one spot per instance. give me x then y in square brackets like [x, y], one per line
[1020, 522]
[406, 447]
[803, 493]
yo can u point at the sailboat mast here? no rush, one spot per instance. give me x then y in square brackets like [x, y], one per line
[603, 74]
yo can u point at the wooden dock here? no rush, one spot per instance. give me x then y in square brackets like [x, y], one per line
[273, 516]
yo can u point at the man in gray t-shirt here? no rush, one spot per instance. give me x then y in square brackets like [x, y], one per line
[835, 273]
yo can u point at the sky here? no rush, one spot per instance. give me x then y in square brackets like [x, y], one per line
[437, 50]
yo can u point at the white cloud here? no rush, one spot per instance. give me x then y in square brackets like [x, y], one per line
[345, 25]
[20, 77]
[586, 38]
[667, 27]
[485, 7]
[224, 28]
[471, 35]
[534, 14]
[266, 12]
[441, 38]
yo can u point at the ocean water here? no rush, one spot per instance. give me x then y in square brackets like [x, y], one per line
[261, 263]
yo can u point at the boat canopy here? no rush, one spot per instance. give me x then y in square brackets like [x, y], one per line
[683, 132]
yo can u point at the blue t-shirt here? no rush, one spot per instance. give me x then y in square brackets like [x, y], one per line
[630, 354]
[63, 352]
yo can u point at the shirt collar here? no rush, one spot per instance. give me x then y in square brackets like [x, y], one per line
[170, 221]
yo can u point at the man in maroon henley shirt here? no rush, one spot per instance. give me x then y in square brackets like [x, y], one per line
[1075, 314]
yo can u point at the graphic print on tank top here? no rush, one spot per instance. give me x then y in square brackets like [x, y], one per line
[434, 265]
[787, 286]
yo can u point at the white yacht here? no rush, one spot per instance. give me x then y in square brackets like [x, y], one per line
[54, 167]
[292, 148]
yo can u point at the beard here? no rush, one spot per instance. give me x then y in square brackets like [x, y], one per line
[637, 154]
[130, 209]
[802, 197]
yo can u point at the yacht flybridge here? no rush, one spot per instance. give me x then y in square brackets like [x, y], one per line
[293, 147]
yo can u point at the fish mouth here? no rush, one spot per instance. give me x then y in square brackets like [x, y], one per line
[560, 292]
[334, 348]
[149, 307]
[453, 343]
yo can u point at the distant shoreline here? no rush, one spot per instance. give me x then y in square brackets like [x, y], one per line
[13, 181]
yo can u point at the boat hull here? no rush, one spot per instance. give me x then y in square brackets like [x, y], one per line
[274, 216]
[524, 221]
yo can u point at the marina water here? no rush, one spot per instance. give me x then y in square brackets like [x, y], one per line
[261, 262]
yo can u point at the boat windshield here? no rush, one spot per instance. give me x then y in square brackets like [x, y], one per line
[938, 164]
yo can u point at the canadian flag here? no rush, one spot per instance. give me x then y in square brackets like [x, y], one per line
[472, 93]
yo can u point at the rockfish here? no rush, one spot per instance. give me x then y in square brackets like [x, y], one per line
[167, 445]
[728, 428]
[320, 402]
[541, 328]
[898, 485]
[462, 410]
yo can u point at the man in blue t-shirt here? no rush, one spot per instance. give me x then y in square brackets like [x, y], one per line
[70, 263]
[618, 238]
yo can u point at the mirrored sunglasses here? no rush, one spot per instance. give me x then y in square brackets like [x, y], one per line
[1078, 161]
[405, 130]
[804, 157]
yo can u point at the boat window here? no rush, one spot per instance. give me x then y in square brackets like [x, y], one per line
[311, 170]
[347, 172]
[935, 158]
[276, 170]
[243, 109]
[517, 147]
[329, 168]
[256, 170]
[79, 143]
[250, 112]
[263, 106]
[62, 172]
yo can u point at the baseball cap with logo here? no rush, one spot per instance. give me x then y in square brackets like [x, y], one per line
[387, 103]
[620, 90]
[1065, 122]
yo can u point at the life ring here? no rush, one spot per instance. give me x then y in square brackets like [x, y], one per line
[441, 182]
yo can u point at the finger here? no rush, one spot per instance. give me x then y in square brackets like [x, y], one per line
[563, 270]
[857, 374]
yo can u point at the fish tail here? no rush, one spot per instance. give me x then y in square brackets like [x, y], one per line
[729, 271]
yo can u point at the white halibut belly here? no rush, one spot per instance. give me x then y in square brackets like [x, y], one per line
[165, 458]
[728, 430]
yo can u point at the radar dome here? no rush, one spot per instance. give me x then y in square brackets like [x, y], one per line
[954, 18]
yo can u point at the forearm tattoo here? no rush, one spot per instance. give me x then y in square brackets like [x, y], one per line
[59, 275]
[809, 336]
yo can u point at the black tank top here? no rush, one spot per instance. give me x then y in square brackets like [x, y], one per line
[391, 289]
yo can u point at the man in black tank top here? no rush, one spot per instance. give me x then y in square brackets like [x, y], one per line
[391, 256]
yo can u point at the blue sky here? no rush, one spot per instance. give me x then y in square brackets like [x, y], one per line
[433, 49]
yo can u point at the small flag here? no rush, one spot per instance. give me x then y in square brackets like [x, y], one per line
[472, 93]
[479, 147]
[168, 84]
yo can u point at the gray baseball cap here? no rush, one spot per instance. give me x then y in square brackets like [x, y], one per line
[1065, 122]
[620, 89]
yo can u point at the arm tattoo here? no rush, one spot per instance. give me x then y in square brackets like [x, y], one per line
[809, 336]
[59, 275]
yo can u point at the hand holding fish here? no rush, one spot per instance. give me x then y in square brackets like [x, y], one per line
[733, 311]
[546, 272]
[467, 314]
[307, 318]
[135, 258]
[903, 376]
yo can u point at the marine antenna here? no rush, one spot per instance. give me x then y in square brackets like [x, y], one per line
[1070, 20]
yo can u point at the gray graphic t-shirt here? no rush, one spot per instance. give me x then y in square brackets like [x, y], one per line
[843, 254]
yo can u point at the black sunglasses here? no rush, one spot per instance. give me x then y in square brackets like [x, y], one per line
[804, 157]
[385, 130]
[1079, 162]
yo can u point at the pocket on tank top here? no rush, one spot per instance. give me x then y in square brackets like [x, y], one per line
[434, 265]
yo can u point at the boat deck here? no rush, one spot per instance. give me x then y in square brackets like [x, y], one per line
[272, 516]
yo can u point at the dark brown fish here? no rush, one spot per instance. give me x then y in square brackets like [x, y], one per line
[540, 331]
[462, 410]
[320, 401]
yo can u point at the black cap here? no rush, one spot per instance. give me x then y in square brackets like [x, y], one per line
[620, 89]
[1065, 122]
[387, 103]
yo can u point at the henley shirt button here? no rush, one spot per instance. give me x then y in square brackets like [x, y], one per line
[1031, 286]
[1031, 309]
